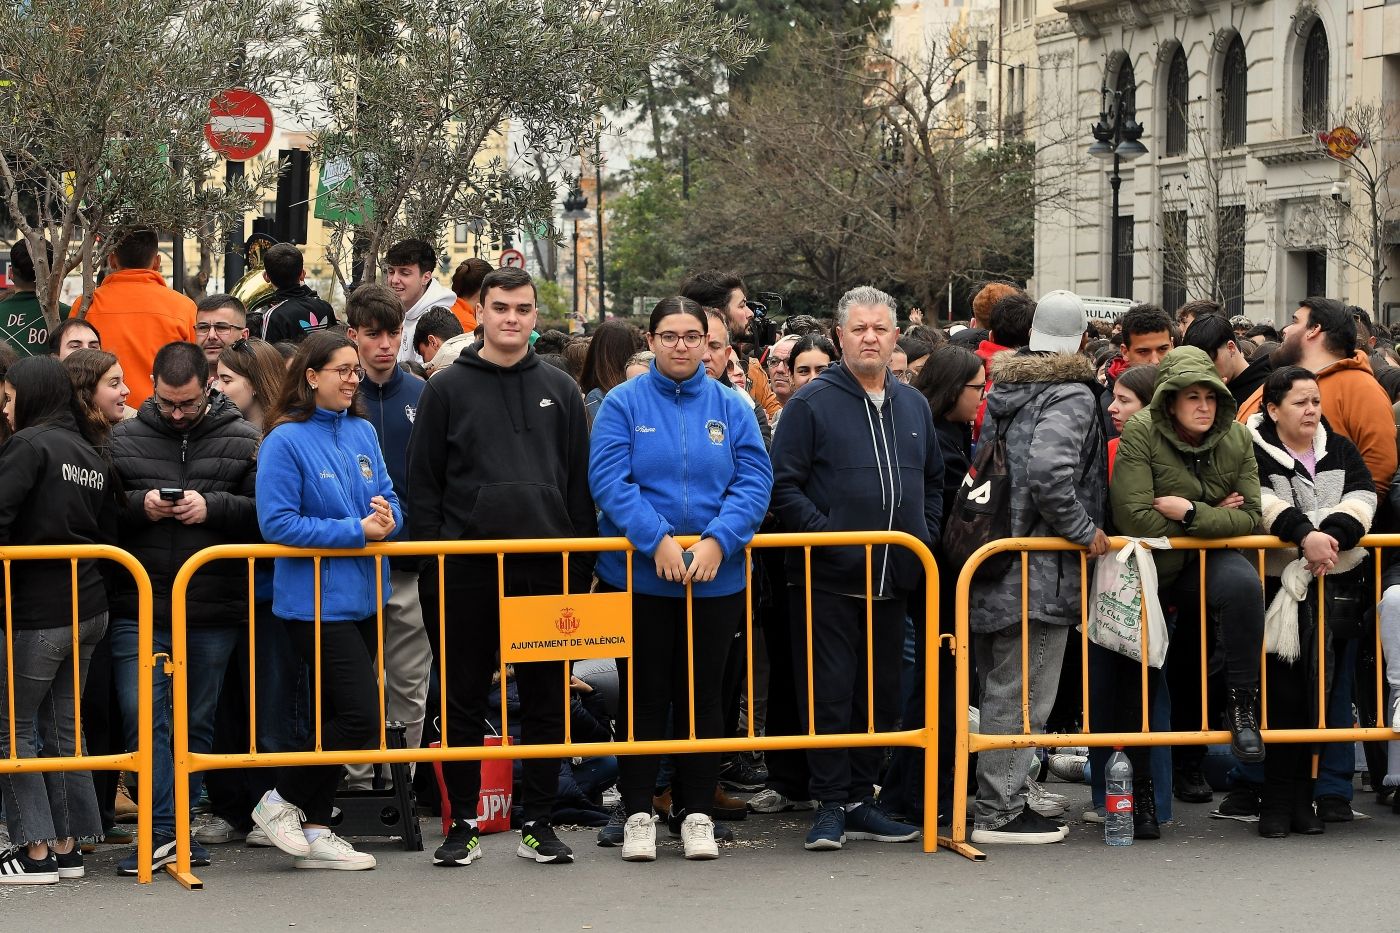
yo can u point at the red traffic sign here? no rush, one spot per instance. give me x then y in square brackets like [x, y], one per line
[512, 259]
[240, 125]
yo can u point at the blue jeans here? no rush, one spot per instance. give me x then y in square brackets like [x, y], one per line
[1336, 766]
[209, 650]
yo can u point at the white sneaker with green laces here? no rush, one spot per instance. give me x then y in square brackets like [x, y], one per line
[330, 851]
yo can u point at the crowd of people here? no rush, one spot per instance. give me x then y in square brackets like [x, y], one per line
[431, 413]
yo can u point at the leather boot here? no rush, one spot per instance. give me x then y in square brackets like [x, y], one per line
[1305, 820]
[1243, 716]
[1145, 810]
[1276, 807]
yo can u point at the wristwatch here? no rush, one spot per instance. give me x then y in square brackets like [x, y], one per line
[1189, 517]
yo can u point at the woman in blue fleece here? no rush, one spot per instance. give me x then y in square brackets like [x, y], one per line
[322, 483]
[674, 453]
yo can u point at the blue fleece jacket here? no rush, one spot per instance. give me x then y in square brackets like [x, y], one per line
[315, 480]
[677, 458]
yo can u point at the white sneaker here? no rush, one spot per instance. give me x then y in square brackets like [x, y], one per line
[330, 851]
[698, 837]
[257, 839]
[1395, 713]
[639, 838]
[216, 832]
[1068, 768]
[770, 801]
[282, 824]
[1043, 801]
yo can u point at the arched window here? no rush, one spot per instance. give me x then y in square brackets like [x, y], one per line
[1178, 93]
[1124, 83]
[1234, 92]
[1316, 61]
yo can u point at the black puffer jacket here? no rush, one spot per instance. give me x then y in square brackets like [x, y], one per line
[217, 459]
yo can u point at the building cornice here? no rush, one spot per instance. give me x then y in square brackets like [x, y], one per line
[1287, 151]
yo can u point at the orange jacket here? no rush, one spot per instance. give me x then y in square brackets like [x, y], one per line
[1357, 408]
[466, 313]
[759, 389]
[137, 313]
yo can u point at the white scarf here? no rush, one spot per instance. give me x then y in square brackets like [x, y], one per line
[1281, 621]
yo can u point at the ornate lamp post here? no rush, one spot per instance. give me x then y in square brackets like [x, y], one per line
[575, 209]
[1117, 136]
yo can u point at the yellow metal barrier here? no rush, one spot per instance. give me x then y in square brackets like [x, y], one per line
[139, 760]
[969, 743]
[187, 763]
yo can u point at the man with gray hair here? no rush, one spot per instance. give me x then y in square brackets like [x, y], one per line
[855, 451]
[1043, 404]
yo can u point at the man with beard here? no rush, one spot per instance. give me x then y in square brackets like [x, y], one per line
[725, 291]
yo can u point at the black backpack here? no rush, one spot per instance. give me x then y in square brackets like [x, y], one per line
[981, 509]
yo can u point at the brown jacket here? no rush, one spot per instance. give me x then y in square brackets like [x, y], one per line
[759, 389]
[1357, 408]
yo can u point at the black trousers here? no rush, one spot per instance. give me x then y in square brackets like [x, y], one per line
[839, 656]
[473, 630]
[660, 705]
[787, 667]
[349, 708]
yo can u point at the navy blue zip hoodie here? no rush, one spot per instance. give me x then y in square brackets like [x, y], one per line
[392, 409]
[841, 464]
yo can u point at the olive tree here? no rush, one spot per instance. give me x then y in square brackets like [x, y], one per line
[102, 109]
[416, 95]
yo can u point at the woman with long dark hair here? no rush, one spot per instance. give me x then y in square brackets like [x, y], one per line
[55, 488]
[605, 365]
[322, 483]
[699, 468]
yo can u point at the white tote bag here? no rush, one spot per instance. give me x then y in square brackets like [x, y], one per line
[1123, 583]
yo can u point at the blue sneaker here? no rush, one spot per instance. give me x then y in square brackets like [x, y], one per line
[610, 836]
[869, 821]
[828, 828]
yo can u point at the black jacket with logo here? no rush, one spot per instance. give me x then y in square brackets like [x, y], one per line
[501, 452]
[215, 458]
[54, 489]
[296, 312]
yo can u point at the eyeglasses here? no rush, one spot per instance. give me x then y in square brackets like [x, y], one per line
[345, 371]
[185, 408]
[222, 328]
[669, 339]
[773, 362]
[904, 375]
[241, 345]
[981, 387]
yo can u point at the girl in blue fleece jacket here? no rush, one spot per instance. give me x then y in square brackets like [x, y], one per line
[322, 483]
[674, 452]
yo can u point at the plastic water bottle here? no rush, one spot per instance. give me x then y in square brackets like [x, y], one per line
[1118, 800]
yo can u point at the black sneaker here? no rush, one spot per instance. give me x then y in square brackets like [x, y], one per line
[1334, 809]
[1027, 829]
[1241, 804]
[740, 773]
[674, 818]
[461, 847]
[16, 867]
[71, 864]
[538, 842]
[610, 836]
[1189, 785]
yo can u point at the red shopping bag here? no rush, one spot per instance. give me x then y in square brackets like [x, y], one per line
[497, 782]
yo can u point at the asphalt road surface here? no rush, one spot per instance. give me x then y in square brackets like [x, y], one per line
[1203, 874]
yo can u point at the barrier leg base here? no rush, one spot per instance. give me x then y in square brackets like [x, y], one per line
[967, 851]
[186, 878]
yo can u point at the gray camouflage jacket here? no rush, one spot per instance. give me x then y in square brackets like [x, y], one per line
[1058, 460]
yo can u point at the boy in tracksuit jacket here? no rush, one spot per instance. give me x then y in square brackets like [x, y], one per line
[499, 450]
[390, 399]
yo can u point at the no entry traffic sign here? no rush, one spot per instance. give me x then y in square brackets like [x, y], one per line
[240, 124]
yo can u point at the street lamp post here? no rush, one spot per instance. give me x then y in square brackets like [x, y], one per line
[1117, 136]
[575, 209]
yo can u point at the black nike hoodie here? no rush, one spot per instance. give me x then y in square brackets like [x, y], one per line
[501, 452]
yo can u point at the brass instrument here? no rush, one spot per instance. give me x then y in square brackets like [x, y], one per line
[253, 290]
